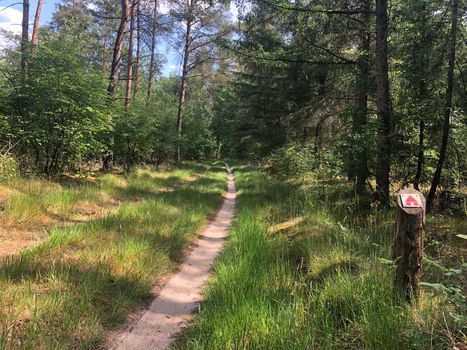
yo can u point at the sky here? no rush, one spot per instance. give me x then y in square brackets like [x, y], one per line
[10, 19]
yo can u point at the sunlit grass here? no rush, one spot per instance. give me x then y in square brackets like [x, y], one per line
[29, 204]
[82, 280]
[321, 278]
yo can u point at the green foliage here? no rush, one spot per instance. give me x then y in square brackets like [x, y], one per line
[197, 138]
[453, 291]
[60, 108]
[291, 160]
[149, 133]
[8, 167]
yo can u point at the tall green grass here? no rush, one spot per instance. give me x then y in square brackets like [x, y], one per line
[83, 280]
[322, 283]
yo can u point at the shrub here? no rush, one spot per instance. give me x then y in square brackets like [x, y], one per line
[8, 167]
[292, 160]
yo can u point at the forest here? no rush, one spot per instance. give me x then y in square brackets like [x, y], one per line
[116, 118]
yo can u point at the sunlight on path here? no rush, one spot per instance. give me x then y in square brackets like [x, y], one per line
[182, 293]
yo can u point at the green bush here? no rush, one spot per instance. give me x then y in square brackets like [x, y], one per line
[8, 167]
[292, 160]
[60, 110]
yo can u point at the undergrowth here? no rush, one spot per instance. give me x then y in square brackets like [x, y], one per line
[308, 267]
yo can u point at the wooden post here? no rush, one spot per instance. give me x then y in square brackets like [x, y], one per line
[408, 242]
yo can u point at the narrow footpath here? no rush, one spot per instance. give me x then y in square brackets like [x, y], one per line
[181, 295]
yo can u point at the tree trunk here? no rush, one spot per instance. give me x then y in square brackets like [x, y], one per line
[421, 155]
[218, 149]
[25, 37]
[138, 48]
[421, 86]
[117, 52]
[36, 23]
[152, 64]
[183, 81]
[130, 56]
[447, 106]
[104, 52]
[407, 249]
[383, 104]
[360, 164]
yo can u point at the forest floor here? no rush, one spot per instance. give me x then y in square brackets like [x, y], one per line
[307, 266]
[83, 278]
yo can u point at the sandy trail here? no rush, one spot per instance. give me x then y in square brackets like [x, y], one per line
[181, 295]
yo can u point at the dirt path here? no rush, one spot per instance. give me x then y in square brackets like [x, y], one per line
[168, 313]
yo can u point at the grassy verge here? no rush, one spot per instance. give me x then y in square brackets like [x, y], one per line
[306, 267]
[82, 280]
[29, 208]
[29, 203]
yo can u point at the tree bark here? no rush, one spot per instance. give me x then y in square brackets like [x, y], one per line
[360, 163]
[383, 104]
[25, 37]
[183, 83]
[138, 48]
[152, 64]
[129, 80]
[421, 86]
[421, 155]
[407, 250]
[117, 52]
[104, 52]
[36, 23]
[447, 106]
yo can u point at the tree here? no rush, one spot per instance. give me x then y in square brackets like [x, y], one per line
[447, 106]
[152, 62]
[360, 164]
[383, 104]
[60, 128]
[138, 48]
[36, 22]
[199, 28]
[25, 37]
[118, 47]
[129, 79]
[184, 77]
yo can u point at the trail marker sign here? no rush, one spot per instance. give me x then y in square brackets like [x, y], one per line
[411, 200]
[407, 250]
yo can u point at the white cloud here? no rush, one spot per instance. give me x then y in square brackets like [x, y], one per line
[234, 12]
[92, 7]
[164, 7]
[10, 19]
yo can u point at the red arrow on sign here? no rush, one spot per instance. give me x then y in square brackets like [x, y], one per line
[411, 202]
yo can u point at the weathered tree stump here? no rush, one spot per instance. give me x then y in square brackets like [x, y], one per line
[408, 242]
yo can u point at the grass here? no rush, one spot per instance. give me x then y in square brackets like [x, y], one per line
[81, 281]
[30, 208]
[29, 203]
[307, 267]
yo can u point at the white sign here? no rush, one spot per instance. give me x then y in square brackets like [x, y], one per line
[411, 200]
